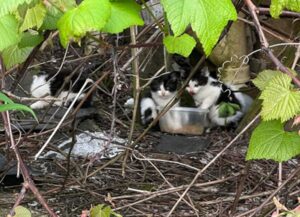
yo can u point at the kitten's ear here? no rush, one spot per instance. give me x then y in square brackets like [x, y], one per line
[205, 71]
[175, 75]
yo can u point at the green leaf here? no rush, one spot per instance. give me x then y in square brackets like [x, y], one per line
[18, 107]
[227, 109]
[207, 18]
[30, 40]
[34, 17]
[14, 55]
[9, 31]
[270, 141]
[18, 53]
[280, 101]
[88, 16]
[182, 45]
[124, 13]
[22, 212]
[55, 11]
[264, 77]
[8, 6]
[278, 5]
[5, 99]
[103, 211]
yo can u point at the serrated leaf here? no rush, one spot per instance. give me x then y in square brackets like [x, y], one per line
[22, 212]
[88, 16]
[280, 101]
[101, 211]
[18, 53]
[278, 5]
[8, 6]
[207, 18]
[5, 98]
[14, 55]
[34, 17]
[9, 31]
[270, 141]
[18, 107]
[55, 11]
[264, 77]
[124, 13]
[30, 40]
[182, 45]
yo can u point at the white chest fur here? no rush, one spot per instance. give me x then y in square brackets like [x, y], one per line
[207, 96]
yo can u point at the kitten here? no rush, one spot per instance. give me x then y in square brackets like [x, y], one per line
[163, 89]
[209, 93]
[46, 85]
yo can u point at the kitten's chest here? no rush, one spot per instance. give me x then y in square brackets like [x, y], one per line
[208, 91]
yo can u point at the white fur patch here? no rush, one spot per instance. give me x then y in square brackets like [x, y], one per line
[148, 103]
[39, 87]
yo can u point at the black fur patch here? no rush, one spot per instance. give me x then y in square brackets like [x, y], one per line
[227, 95]
[170, 82]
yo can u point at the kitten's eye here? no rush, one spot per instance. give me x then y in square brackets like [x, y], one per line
[196, 85]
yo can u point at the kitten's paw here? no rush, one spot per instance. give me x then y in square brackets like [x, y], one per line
[39, 105]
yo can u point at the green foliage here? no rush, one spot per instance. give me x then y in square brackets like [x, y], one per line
[182, 45]
[207, 18]
[270, 141]
[103, 211]
[54, 12]
[15, 55]
[5, 99]
[88, 16]
[278, 5]
[34, 17]
[280, 101]
[30, 40]
[22, 212]
[9, 6]
[10, 105]
[124, 13]
[9, 31]
[18, 53]
[264, 77]
[228, 109]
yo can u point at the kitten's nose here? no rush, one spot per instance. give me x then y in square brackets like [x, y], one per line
[163, 93]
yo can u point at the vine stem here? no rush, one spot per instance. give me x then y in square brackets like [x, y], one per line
[265, 44]
[135, 67]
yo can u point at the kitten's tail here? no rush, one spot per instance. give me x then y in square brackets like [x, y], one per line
[148, 110]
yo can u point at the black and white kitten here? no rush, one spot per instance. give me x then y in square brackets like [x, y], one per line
[163, 89]
[47, 85]
[209, 93]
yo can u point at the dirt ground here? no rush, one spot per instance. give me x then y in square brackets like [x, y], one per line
[150, 182]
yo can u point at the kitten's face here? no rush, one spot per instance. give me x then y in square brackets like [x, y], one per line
[166, 85]
[197, 82]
